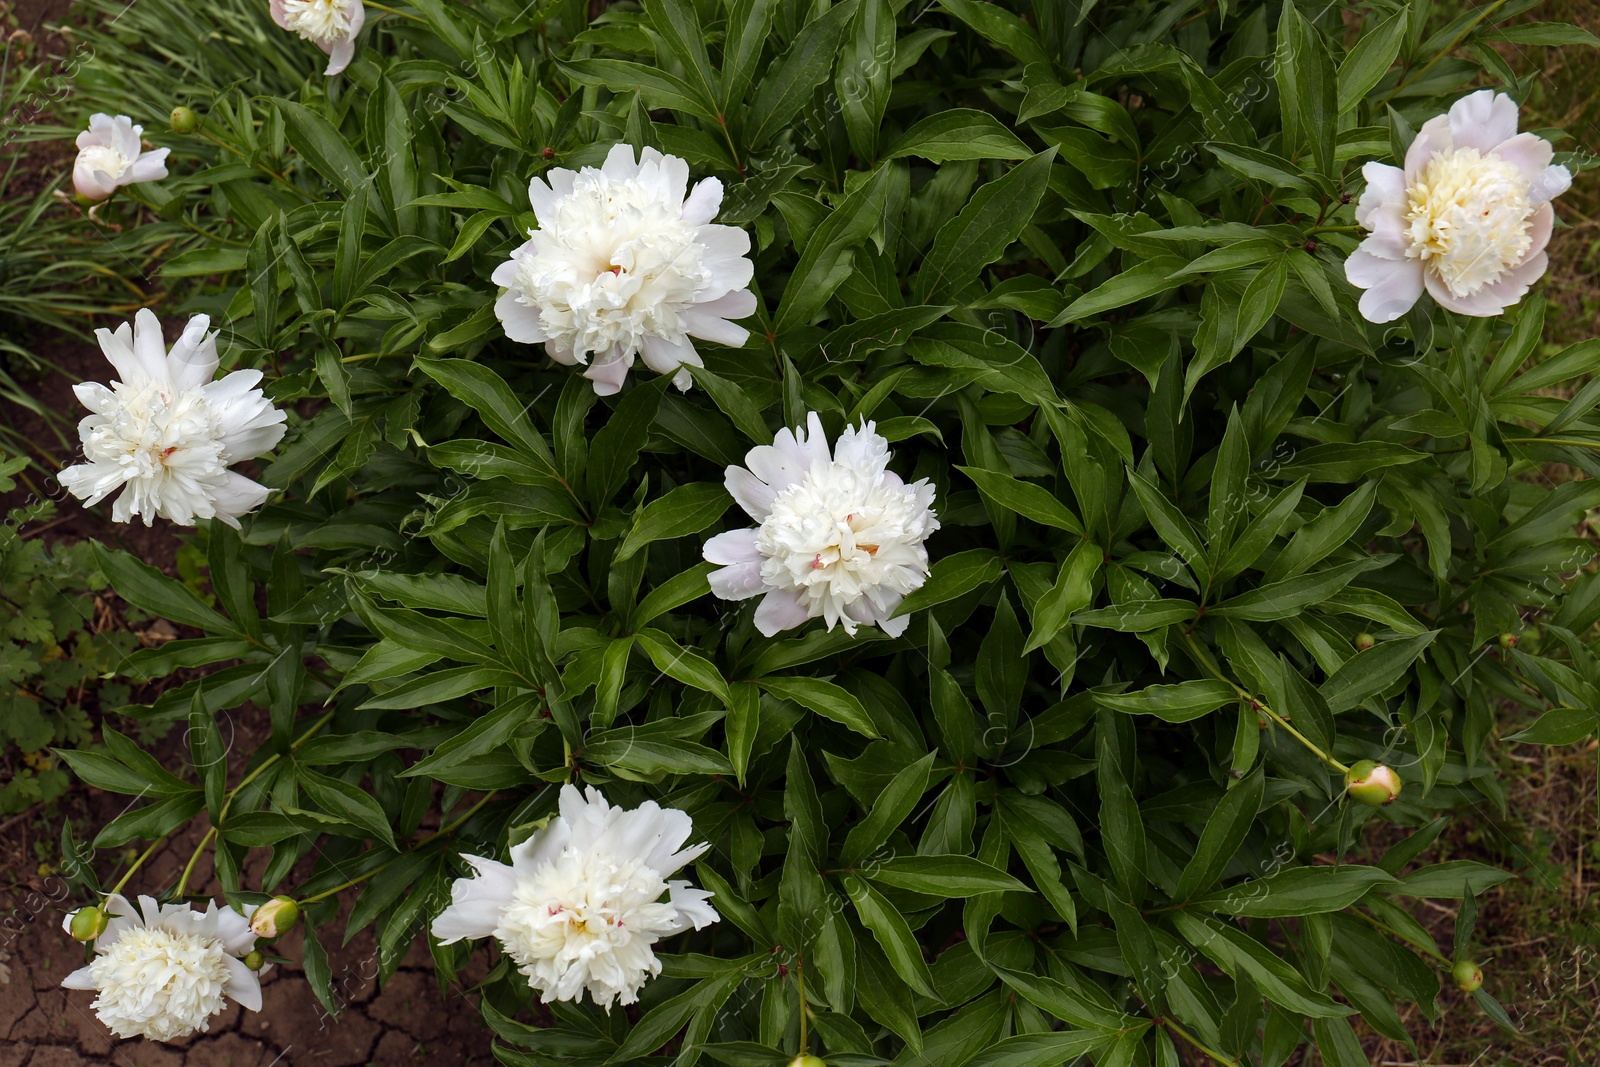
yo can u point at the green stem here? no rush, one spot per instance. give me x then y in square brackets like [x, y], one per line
[227, 801]
[137, 863]
[1567, 441]
[1334, 229]
[1260, 705]
[402, 14]
[418, 847]
[1196, 1042]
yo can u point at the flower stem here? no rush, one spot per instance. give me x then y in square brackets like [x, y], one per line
[137, 863]
[1196, 1042]
[419, 846]
[402, 14]
[1260, 705]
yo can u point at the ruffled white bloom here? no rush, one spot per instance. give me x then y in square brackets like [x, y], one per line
[332, 25]
[111, 154]
[1468, 217]
[165, 433]
[623, 264]
[580, 906]
[841, 536]
[162, 971]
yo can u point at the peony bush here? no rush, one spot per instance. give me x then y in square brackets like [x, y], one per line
[1144, 420]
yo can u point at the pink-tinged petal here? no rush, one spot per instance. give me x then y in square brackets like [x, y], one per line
[358, 18]
[340, 55]
[1516, 282]
[279, 15]
[243, 984]
[1483, 304]
[706, 327]
[1388, 239]
[608, 373]
[703, 203]
[1392, 286]
[750, 492]
[619, 164]
[1483, 120]
[1433, 138]
[781, 610]
[520, 320]
[1550, 184]
[79, 979]
[735, 546]
[739, 581]
[1386, 185]
[1529, 152]
[735, 305]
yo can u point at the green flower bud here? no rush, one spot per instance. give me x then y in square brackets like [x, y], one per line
[184, 120]
[255, 960]
[806, 1060]
[86, 924]
[275, 918]
[1508, 640]
[1365, 641]
[1372, 783]
[1468, 976]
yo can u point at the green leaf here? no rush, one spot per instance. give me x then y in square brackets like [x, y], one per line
[983, 230]
[1173, 703]
[943, 876]
[1369, 673]
[686, 665]
[485, 392]
[151, 591]
[348, 802]
[1026, 499]
[1237, 953]
[893, 934]
[1449, 880]
[829, 253]
[1142, 280]
[952, 577]
[891, 808]
[1296, 891]
[686, 510]
[322, 146]
[790, 82]
[960, 133]
[1225, 831]
[1369, 59]
[1043, 1050]
[825, 698]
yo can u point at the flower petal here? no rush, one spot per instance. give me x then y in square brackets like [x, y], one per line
[737, 581]
[1483, 120]
[244, 985]
[1392, 286]
[780, 610]
[735, 546]
[750, 492]
[475, 903]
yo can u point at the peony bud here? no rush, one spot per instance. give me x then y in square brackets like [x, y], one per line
[1468, 976]
[275, 918]
[86, 924]
[184, 120]
[1365, 641]
[1508, 640]
[806, 1060]
[1372, 783]
[255, 960]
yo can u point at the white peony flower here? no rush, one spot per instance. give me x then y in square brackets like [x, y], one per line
[580, 907]
[162, 971]
[623, 264]
[165, 433]
[111, 154]
[332, 25]
[841, 536]
[1467, 219]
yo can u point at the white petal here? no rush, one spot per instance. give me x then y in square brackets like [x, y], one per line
[703, 203]
[236, 496]
[1483, 304]
[1386, 185]
[1550, 184]
[193, 360]
[1530, 152]
[1393, 286]
[520, 321]
[79, 979]
[244, 985]
[780, 610]
[608, 374]
[476, 903]
[735, 546]
[149, 167]
[692, 907]
[619, 164]
[751, 493]
[1433, 138]
[150, 346]
[738, 581]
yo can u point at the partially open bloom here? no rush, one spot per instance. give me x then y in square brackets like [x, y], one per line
[165, 433]
[841, 535]
[111, 154]
[275, 918]
[1467, 218]
[162, 971]
[331, 25]
[1373, 783]
[581, 905]
[624, 264]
